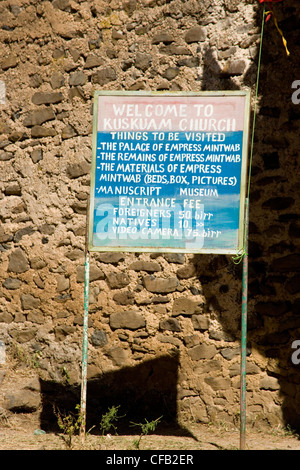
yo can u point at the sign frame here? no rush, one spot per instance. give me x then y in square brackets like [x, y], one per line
[245, 95]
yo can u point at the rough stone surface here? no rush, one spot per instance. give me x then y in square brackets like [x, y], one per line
[202, 351]
[38, 117]
[183, 306]
[170, 324]
[195, 34]
[99, 338]
[104, 76]
[149, 266]
[47, 98]
[129, 319]
[146, 307]
[11, 283]
[29, 301]
[160, 285]
[117, 280]
[95, 274]
[25, 401]
[18, 262]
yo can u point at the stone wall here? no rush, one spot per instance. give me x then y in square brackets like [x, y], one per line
[147, 308]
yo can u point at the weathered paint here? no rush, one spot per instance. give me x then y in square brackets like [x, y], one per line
[182, 229]
[85, 331]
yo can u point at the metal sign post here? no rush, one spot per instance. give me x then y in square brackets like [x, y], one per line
[85, 335]
[85, 345]
[244, 334]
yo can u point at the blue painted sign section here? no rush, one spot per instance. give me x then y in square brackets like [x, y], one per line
[179, 187]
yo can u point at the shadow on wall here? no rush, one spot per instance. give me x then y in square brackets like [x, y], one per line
[146, 391]
[274, 230]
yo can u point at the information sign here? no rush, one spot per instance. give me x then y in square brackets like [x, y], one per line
[169, 171]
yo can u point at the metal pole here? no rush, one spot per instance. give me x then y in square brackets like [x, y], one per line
[244, 334]
[85, 336]
[85, 345]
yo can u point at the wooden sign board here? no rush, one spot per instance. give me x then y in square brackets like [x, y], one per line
[169, 171]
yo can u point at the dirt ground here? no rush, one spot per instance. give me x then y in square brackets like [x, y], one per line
[21, 432]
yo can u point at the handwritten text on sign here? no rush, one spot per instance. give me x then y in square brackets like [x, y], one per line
[167, 172]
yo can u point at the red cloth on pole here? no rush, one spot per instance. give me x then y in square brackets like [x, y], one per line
[270, 3]
[269, 14]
